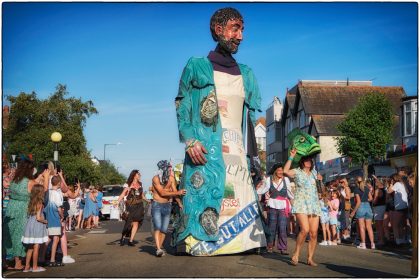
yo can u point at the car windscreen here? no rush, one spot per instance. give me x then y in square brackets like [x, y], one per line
[115, 191]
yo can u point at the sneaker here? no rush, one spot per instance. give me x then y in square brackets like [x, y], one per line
[164, 252]
[328, 242]
[324, 243]
[372, 246]
[159, 253]
[361, 246]
[68, 259]
[333, 244]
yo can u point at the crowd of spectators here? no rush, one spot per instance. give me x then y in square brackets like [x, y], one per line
[372, 213]
[39, 207]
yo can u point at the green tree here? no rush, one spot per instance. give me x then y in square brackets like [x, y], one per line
[32, 121]
[366, 130]
[109, 174]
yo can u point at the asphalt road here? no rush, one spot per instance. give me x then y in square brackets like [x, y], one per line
[98, 254]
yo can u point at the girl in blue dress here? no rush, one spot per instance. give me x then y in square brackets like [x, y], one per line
[90, 207]
[35, 232]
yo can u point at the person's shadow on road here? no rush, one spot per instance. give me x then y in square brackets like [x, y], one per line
[353, 271]
[276, 256]
[148, 249]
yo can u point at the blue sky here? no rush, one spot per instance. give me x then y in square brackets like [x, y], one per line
[128, 57]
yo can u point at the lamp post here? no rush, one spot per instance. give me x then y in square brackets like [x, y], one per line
[14, 161]
[119, 143]
[56, 138]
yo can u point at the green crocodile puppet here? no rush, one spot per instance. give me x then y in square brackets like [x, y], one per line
[304, 143]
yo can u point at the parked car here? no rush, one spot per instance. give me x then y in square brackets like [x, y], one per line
[110, 198]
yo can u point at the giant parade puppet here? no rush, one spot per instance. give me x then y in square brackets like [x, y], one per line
[216, 105]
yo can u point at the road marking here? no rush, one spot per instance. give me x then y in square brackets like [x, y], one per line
[96, 231]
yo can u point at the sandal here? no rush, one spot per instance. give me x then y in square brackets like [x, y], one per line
[293, 262]
[16, 269]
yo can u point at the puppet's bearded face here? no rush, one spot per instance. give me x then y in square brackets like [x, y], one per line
[230, 35]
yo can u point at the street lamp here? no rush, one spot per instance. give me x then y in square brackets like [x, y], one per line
[56, 138]
[14, 161]
[119, 143]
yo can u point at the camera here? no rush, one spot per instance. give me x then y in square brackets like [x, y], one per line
[58, 167]
[42, 167]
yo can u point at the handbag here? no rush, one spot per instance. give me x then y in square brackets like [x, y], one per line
[125, 213]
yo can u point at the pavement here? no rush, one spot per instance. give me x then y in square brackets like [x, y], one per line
[98, 254]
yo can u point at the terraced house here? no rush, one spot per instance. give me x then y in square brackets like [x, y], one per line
[317, 107]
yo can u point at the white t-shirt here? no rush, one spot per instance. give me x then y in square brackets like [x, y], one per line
[275, 203]
[400, 196]
[56, 197]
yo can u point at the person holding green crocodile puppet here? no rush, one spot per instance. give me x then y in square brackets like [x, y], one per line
[302, 150]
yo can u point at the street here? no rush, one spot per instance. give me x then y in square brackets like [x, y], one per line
[98, 254]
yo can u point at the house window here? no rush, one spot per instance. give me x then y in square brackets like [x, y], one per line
[302, 119]
[271, 134]
[410, 118]
[407, 119]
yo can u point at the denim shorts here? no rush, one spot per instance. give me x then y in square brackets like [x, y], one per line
[325, 219]
[161, 213]
[333, 220]
[364, 211]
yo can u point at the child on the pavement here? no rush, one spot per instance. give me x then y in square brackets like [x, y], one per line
[325, 218]
[55, 214]
[333, 205]
[35, 230]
